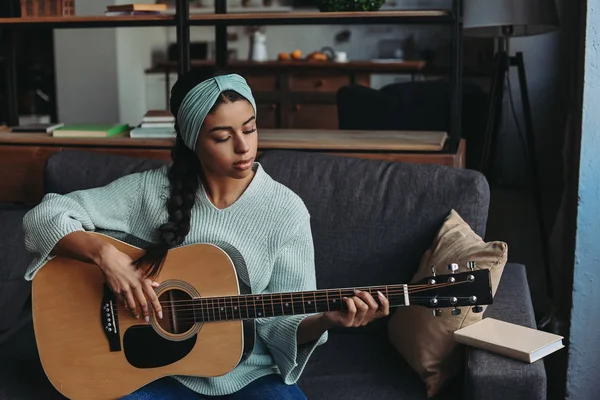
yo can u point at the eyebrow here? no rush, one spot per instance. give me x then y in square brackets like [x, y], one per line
[229, 128]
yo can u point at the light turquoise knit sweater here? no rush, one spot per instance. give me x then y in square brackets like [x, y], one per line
[269, 225]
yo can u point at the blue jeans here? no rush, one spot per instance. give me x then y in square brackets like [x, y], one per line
[270, 387]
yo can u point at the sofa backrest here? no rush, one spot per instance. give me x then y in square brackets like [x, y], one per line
[373, 220]
[70, 170]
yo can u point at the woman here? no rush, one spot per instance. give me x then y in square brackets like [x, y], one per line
[215, 192]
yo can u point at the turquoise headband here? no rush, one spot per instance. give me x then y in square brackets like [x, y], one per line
[198, 102]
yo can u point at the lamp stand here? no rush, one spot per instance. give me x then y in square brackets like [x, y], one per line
[503, 63]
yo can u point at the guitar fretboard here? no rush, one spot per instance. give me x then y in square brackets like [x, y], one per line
[282, 304]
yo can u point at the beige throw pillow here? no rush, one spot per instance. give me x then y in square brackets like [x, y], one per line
[426, 341]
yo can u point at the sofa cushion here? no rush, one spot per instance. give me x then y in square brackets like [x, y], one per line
[358, 366]
[70, 170]
[425, 341]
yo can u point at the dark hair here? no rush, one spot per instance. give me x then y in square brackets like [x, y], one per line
[185, 174]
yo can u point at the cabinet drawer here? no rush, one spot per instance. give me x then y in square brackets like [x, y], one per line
[262, 82]
[313, 116]
[318, 83]
[267, 116]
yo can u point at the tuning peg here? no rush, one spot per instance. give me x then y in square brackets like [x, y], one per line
[437, 312]
[453, 267]
[431, 280]
[477, 309]
[455, 311]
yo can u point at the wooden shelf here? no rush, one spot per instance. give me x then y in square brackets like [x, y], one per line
[291, 139]
[271, 18]
[100, 21]
[355, 66]
[310, 18]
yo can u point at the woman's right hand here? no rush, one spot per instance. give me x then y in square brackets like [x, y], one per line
[129, 283]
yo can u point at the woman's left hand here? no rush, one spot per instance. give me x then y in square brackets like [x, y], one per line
[361, 310]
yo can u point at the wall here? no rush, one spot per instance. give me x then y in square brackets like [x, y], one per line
[86, 70]
[584, 353]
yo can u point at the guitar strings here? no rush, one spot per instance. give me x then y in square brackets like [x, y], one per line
[218, 308]
[318, 295]
[188, 317]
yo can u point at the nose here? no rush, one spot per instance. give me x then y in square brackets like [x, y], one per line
[241, 145]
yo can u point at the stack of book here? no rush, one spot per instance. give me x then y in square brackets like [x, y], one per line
[155, 124]
[91, 130]
[135, 9]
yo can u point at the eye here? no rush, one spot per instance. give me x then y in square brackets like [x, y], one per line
[219, 140]
[250, 131]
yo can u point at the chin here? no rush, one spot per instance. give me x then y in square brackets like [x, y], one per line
[240, 174]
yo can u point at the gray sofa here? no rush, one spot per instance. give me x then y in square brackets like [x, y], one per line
[371, 221]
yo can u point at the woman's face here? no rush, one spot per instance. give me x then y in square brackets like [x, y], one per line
[228, 140]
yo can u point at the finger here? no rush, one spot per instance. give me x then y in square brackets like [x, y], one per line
[151, 294]
[130, 302]
[385, 304]
[371, 304]
[141, 300]
[351, 312]
[155, 284]
[367, 298]
[361, 310]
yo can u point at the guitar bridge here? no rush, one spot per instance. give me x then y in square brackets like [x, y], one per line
[109, 318]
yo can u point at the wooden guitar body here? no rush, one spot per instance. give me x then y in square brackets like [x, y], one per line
[75, 315]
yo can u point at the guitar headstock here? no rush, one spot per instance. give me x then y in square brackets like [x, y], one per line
[471, 288]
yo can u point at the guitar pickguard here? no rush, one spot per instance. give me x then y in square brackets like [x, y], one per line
[144, 348]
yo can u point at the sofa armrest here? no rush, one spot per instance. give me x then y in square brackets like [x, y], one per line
[491, 376]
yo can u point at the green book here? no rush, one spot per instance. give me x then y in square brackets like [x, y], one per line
[90, 130]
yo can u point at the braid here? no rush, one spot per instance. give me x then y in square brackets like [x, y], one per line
[184, 179]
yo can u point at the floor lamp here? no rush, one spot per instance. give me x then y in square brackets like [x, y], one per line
[502, 20]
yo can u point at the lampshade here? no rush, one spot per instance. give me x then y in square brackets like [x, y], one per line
[485, 18]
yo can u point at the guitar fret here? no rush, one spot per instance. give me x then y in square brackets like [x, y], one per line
[272, 306]
[235, 311]
[240, 308]
[262, 299]
[219, 309]
[282, 310]
[327, 299]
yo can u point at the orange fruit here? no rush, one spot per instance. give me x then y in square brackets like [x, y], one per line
[296, 54]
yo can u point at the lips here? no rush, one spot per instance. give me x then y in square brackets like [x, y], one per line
[241, 162]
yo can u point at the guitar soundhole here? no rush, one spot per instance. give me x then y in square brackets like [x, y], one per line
[178, 312]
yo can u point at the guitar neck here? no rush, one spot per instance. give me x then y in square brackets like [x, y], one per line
[283, 304]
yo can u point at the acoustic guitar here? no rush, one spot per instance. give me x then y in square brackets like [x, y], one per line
[91, 347]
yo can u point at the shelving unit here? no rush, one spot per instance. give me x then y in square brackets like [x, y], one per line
[220, 19]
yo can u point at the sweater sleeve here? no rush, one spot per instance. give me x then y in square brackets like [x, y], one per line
[108, 207]
[294, 270]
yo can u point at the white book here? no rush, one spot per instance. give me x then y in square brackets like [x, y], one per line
[511, 340]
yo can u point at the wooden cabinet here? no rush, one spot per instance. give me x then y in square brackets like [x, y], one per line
[292, 95]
